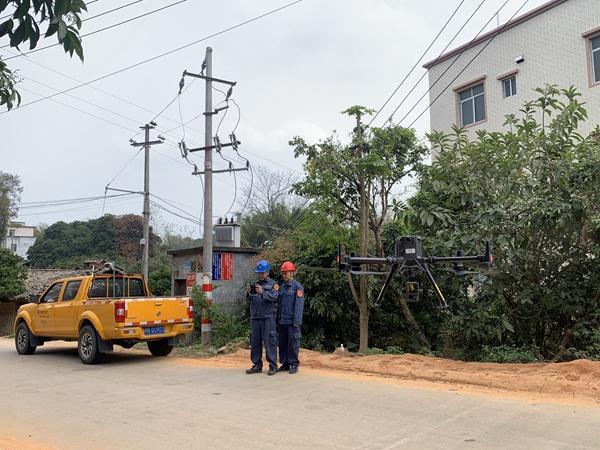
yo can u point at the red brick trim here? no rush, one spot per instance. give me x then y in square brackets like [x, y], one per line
[591, 33]
[468, 84]
[507, 75]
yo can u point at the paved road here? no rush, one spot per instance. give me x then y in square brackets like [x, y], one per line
[136, 401]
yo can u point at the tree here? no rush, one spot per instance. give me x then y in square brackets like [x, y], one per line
[271, 206]
[115, 238]
[12, 274]
[10, 195]
[61, 18]
[532, 190]
[347, 179]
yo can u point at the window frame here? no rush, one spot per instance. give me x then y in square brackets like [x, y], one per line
[512, 86]
[588, 37]
[63, 299]
[43, 297]
[98, 279]
[458, 102]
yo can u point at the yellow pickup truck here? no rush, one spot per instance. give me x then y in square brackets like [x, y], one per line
[102, 310]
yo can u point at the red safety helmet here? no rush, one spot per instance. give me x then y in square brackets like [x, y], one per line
[288, 266]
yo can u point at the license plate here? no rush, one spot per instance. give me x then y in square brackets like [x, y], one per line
[154, 330]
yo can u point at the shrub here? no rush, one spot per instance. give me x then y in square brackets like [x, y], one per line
[507, 354]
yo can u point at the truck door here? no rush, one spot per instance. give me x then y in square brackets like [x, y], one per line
[44, 318]
[64, 311]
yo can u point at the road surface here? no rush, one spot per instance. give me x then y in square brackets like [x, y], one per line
[133, 400]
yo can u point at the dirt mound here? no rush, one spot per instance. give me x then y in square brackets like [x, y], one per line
[576, 380]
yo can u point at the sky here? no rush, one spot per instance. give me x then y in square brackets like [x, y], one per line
[296, 70]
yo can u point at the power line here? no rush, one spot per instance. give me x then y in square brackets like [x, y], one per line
[465, 68]
[416, 64]
[39, 49]
[67, 201]
[110, 94]
[77, 109]
[10, 15]
[406, 97]
[112, 10]
[154, 58]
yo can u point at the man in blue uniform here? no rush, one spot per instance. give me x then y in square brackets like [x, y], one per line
[262, 296]
[291, 307]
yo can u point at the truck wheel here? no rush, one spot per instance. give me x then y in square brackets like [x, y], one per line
[23, 340]
[87, 345]
[160, 348]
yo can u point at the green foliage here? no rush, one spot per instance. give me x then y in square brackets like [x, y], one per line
[259, 227]
[534, 192]
[10, 195]
[226, 327]
[387, 157]
[586, 344]
[63, 19]
[394, 350]
[159, 280]
[12, 274]
[507, 354]
[68, 245]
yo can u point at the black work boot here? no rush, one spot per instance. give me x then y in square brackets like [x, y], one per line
[283, 368]
[272, 371]
[293, 370]
[254, 369]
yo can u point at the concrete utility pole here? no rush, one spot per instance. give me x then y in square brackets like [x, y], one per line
[146, 238]
[207, 247]
[363, 239]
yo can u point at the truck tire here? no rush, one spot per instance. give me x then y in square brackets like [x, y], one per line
[87, 345]
[160, 348]
[23, 340]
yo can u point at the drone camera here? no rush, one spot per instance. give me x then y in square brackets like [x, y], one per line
[412, 290]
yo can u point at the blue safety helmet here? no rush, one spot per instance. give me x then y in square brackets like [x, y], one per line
[262, 266]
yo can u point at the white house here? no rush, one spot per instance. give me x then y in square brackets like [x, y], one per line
[556, 43]
[19, 237]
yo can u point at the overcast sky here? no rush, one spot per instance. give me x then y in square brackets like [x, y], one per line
[296, 71]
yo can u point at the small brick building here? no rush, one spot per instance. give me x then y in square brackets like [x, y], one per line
[233, 267]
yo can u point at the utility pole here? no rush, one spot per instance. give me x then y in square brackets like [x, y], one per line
[207, 249]
[207, 246]
[364, 239]
[146, 237]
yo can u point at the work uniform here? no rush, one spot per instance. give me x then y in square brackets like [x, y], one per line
[289, 314]
[262, 324]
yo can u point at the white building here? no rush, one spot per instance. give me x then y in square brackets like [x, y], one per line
[556, 43]
[19, 238]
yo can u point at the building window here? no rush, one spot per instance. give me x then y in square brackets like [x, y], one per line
[472, 105]
[595, 43]
[509, 87]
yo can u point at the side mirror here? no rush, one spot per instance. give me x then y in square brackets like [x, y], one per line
[33, 298]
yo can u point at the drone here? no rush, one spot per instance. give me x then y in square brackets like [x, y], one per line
[409, 261]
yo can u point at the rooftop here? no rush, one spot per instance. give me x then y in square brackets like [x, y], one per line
[501, 29]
